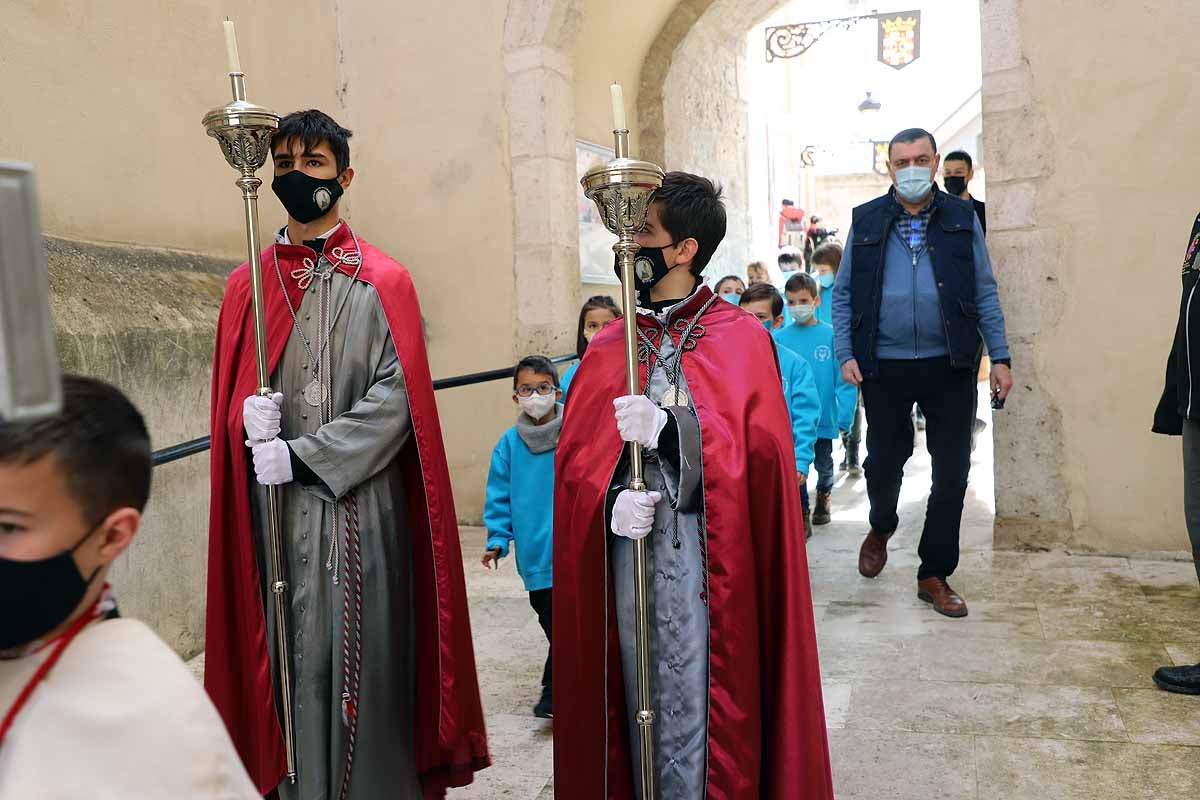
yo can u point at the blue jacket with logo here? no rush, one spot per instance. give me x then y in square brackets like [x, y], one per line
[814, 344]
[803, 404]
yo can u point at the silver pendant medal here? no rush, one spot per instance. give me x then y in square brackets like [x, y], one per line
[674, 396]
[316, 393]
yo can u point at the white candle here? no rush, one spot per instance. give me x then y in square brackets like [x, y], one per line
[231, 53]
[618, 104]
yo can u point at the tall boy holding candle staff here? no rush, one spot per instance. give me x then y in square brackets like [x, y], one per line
[383, 671]
[734, 678]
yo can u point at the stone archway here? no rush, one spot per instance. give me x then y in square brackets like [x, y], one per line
[696, 71]
[698, 63]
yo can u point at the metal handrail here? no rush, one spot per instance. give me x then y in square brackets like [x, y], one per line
[182, 450]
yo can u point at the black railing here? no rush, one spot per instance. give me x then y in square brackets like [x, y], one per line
[184, 449]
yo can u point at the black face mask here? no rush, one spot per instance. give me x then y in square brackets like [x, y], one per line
[306, 198]
[649, 267]
[955, 184]
[38, 596]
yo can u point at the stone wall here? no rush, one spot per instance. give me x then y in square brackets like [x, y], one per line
[144, 319]
[1070, 218]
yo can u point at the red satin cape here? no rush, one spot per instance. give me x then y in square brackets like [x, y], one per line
[766, 731]
[450, 741]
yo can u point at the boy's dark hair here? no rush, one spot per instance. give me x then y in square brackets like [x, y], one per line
[764, 291]
[600, 301]
[960, 155]
[803, 282]
[313, 127]
[828, 253]
[788, 203]
[690, 207]
[737, 278]
[539, 365]
[99, 443]
[789, 258]
[911, 135]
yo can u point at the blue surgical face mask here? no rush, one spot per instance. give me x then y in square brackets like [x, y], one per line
[732, 297]
[801, 314]
[913, 183]
[769, 324]
[826, 279]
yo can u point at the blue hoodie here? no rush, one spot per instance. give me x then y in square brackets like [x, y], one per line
[803, 404]
[825, 309]
[814, 344]
[565, 383]
[520, 503]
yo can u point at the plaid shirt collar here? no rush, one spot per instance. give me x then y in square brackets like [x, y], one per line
[914, 228]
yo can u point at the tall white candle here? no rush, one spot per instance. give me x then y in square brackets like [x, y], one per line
[231, 53]
[618, 104]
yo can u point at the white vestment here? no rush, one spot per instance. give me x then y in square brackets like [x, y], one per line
[119, 716]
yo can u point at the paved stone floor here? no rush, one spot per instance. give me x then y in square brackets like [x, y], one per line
[1042, 693]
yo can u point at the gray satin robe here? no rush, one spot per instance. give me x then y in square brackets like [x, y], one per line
[678, 611]
[355, 451]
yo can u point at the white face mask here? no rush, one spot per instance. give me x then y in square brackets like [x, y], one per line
[801, 314]
[537, 406]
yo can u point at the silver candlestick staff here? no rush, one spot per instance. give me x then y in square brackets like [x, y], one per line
[622, 191]
[244, 131]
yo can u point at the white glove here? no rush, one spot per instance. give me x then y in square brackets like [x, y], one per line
[272, 462]
[639, 420]
[261, 416]
[633, 513]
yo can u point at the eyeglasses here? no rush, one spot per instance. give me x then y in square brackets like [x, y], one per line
[525, 390]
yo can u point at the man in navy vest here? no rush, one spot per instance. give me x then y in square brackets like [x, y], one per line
[914, 302]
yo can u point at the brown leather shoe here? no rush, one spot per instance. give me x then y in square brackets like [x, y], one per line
[808, 523]
[943, 599]
[873, 555]
[822, 514]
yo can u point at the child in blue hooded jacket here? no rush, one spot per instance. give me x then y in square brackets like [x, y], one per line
[813, 341]
[597, 312]
[520, 494]
[825, 262]
[799, 387]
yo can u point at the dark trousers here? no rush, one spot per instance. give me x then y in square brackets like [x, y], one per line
[823, 461]
[1191, 485]
[947, 396]
[852, 438]
[540, 600]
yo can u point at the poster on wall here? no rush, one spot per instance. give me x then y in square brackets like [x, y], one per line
[595, 242]
[899, 38]
[879, 153]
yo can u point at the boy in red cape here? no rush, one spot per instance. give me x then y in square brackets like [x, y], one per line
[385, 693]
[734, 672]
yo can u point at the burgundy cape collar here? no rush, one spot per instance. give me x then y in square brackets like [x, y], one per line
[766, 732]
[448, 727]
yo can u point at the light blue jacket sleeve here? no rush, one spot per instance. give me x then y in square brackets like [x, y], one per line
[804, 403]
[987, 299]
[497, 508]
[847, 401]
[565, 383]
[842, 346]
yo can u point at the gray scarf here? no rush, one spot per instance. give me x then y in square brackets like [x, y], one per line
[540, 438]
